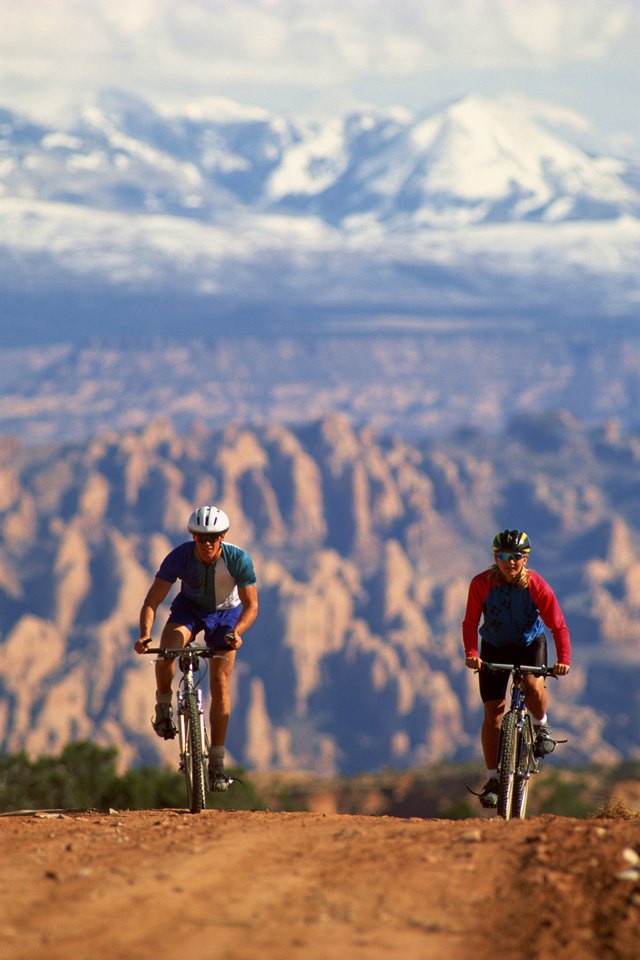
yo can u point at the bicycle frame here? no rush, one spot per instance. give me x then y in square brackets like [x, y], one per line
[516, 759]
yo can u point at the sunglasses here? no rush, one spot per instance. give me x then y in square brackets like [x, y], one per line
[505, 557]
[207, 537]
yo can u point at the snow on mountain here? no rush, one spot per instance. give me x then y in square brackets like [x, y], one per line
[474, 161]
[500, 165]
[477, 207]
[220, 110]
[477, 161]
[298, 268]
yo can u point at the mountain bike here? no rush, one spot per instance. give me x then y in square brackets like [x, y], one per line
[516, 759]
[192, 730]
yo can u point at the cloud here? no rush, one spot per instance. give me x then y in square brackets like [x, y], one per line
[168, 50]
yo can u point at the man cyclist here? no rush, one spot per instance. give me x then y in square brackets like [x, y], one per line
[515, 605]
[219, 596]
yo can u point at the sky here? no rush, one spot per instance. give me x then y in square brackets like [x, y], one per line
[323, 57]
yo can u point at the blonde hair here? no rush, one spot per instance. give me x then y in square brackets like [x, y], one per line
[521, 582]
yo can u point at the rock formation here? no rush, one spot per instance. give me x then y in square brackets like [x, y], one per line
[364, 546]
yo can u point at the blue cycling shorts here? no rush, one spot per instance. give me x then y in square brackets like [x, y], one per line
[215, 623]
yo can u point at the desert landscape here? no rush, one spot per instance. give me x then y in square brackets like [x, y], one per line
[363, 275]
[364, 545]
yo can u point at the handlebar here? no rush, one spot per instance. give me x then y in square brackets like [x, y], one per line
[172, 653]
[542, 671]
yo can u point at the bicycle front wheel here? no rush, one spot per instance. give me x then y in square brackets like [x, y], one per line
[192, 759]
[507, 757]
[526, 766]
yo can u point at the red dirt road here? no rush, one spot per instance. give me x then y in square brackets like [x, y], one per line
[238, 885]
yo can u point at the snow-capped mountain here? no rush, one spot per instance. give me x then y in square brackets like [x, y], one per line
[474, 161]
[479, 209]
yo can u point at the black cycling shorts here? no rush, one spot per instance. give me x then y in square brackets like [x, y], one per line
[493, 686]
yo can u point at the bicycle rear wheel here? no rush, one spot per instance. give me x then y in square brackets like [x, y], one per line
[192, 759]
[526, 766]
[507, 756]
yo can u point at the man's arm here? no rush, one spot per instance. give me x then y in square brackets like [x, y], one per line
[157, 593]
[249, 600]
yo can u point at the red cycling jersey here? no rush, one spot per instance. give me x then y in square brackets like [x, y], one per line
[513, 615]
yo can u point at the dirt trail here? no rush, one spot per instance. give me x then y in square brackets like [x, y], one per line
[244, 885]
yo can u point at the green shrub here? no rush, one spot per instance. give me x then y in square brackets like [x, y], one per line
[85, 776]
[82, 776]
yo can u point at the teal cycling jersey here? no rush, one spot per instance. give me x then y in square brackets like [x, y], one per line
[211, 586]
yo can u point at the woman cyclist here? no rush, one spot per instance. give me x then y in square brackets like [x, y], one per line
[515, 604]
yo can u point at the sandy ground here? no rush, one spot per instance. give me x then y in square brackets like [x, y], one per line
[245, 885]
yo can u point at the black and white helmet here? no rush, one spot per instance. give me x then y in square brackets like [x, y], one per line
[208, 520]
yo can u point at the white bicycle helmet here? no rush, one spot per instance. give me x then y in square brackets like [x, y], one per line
[208, 520]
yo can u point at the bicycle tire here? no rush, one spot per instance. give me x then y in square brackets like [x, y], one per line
[193, 766]
[507, 757]
[525, 767]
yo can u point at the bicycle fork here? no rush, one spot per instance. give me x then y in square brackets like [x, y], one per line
[182, 728]
[526, 763]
